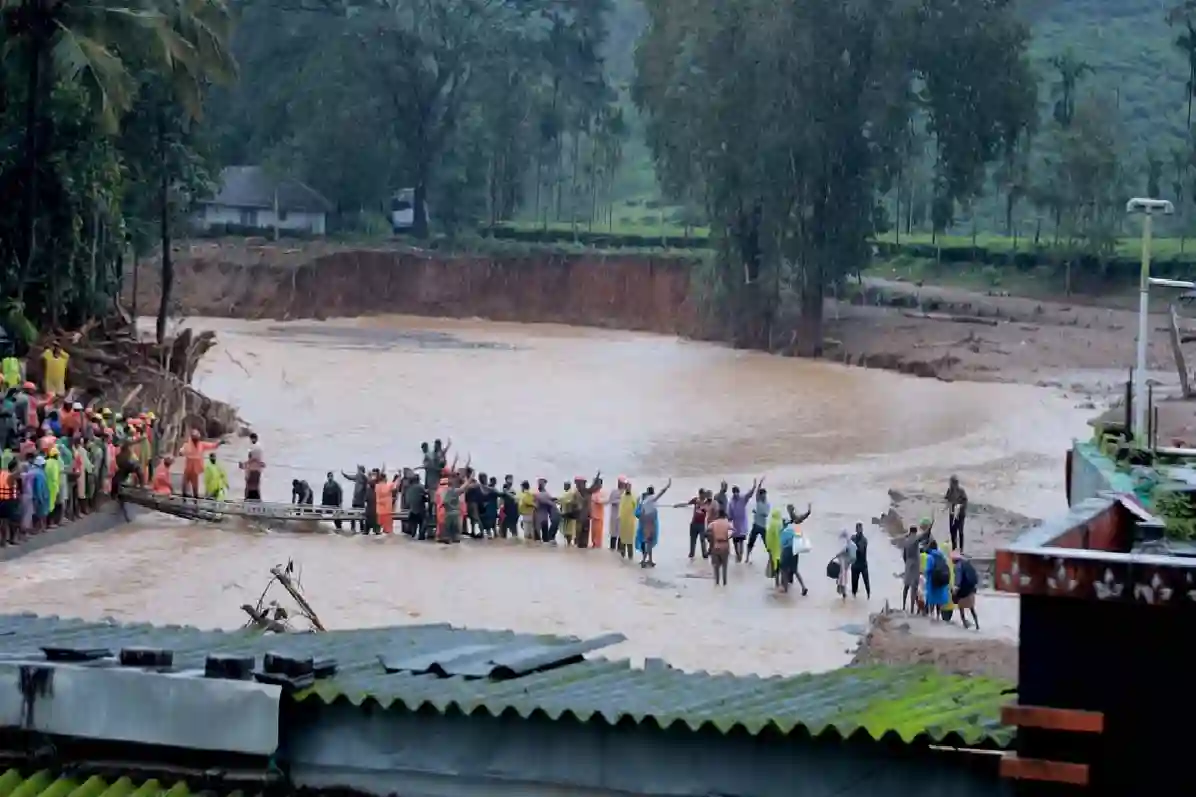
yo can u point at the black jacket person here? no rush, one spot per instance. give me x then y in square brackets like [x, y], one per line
[332, 495]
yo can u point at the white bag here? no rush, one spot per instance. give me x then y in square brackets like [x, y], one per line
[801, 545]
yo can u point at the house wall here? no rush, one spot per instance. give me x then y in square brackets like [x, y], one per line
[261, 217]
[427, 754]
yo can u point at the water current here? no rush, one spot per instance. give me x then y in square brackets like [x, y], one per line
[558, 402]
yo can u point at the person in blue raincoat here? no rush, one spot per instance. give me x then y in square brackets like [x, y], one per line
[937, 594]
[41, 493]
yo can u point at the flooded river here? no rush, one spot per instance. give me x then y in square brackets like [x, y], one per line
[558, 402]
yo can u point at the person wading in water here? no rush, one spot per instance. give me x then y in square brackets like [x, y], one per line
[761, 512]
[698, 529]
[650, 522]
[613, 501]
[452, 499]
[859, 567]
[720, 546]
[737, 513]
[361, 483]
[582, 506]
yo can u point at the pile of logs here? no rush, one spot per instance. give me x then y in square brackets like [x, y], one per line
[112, 366]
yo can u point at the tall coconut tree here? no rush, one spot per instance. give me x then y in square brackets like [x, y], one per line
[195, 54]
[79, 41]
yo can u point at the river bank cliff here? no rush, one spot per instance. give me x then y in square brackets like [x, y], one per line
[925, 331]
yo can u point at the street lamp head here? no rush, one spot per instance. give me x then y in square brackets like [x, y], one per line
[1143, 205]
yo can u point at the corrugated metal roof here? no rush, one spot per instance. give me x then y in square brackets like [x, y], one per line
[905, 703]
[46, 784]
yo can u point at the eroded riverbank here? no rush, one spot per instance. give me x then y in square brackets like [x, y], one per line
[557, 402]
[967, 336]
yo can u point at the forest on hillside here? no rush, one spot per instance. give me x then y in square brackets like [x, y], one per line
[795, 133]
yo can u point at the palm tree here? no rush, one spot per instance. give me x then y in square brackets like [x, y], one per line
[77, 41]
[195, 53]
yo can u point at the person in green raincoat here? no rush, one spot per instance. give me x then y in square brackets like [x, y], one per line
[66, 496]
[215, 480]
[772, 544]
[53, 484]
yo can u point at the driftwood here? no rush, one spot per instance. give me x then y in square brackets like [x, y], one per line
[956, 319]
[269, 615]
[111, 365]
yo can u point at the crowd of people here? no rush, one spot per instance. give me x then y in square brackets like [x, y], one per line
[60, 457]
[446, 503]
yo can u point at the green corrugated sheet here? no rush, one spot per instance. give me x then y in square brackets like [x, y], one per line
[903, 703]
[46, 784]
[898, 703]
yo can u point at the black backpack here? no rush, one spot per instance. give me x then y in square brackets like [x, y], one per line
[940, 573]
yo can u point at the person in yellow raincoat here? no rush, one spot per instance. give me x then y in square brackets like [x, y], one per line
[627, 505]
[53, 484]
[569, 510]
[215, 479]
[772, 544]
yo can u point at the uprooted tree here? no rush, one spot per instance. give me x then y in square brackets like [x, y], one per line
[790, 119]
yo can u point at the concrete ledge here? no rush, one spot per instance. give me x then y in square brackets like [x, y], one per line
[106, 518]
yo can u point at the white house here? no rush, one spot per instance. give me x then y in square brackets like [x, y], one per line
[250, 197]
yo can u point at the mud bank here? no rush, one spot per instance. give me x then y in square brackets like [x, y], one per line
[278, 282]
[1016, 340]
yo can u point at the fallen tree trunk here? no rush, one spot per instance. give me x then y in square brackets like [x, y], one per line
[955, 319]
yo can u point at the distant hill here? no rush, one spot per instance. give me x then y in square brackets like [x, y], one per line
[1127, 42]
[1129, 45]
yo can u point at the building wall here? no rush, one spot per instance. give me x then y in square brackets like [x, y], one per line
[264, 218]
[370, 750]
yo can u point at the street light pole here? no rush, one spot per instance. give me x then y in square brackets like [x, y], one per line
[1140, 407]
[1146, 207]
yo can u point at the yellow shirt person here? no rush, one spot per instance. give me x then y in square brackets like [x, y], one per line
[55, 361]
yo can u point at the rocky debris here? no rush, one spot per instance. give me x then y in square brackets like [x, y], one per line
[892, 639]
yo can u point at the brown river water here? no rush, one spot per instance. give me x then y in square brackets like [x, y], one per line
[557, 402]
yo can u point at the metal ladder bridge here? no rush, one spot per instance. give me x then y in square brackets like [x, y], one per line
[214, 511]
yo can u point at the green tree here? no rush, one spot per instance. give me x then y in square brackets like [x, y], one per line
[788, 117]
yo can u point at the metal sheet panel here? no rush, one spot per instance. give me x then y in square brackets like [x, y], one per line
[132, 705]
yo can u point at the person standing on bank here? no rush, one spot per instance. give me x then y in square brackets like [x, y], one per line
[859, 568]
[957, 512]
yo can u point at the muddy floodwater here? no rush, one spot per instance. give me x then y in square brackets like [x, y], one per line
[558, 402]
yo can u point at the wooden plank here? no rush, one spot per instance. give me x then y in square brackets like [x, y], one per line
[1053, 719]
[1036, 769]
[1180, 364]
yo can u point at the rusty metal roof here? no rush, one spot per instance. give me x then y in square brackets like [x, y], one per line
[500, 672]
